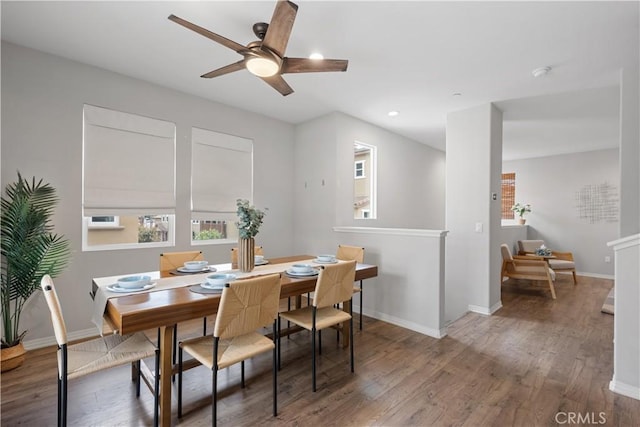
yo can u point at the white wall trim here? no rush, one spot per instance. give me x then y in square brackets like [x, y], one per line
[394, 231]
[625, 242]
[483, 310]
[624, 389]
[49, 341]
[434, 333]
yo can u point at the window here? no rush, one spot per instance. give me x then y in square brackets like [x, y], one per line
[128, 182]
[221, 173]
[104, 221]
[359, 169]
[508, 194]
[364, 183]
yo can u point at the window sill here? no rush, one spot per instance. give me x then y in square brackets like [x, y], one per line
[107, 227]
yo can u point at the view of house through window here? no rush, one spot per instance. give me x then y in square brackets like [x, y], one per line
[211, 230]
[508, 194]
[364, 181]
[126, 230]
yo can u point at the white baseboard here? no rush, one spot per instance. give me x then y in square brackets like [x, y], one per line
[624, 389]
[484, 310]
[435, 333]
[48, 341]
[596, 275]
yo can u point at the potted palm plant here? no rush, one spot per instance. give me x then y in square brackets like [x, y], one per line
[30, 250]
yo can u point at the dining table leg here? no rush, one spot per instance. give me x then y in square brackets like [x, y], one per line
[166, 368]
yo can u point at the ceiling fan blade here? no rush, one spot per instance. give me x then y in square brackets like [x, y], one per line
[242, 50]
[305, 65]
[225, 70]
[278, 83]
[280, 27]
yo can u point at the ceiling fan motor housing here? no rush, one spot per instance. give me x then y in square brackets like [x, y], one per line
[260, 29]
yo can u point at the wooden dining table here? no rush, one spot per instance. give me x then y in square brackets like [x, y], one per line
[164, 308]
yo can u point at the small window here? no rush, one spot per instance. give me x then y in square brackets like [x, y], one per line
[364, 182]
[127, 231]
[359, 169]
[508, 194]
[202, 230]
[104, 221]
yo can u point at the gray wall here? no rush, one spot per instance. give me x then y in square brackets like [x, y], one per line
[42, 99]
[550, 184]
[410, 181]
[472, 274]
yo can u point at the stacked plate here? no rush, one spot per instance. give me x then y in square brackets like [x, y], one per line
[218, 281]
[302, 270]
[194, 267]
[325, 259]
[132, 284]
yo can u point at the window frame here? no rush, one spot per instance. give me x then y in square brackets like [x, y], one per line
[200, 210]
[102, 189]
[372, 176]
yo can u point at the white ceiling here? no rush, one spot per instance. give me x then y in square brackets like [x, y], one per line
[405, 56]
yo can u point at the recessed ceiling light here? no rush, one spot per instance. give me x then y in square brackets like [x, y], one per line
[316, 55]
[540, 72]
[393, 113]
[456, 94]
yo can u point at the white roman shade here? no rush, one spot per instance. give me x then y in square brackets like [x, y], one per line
[221, 173]
[129, 164]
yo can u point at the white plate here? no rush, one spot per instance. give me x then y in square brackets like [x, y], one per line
[211, 287]
[307, 274]
[264, 262]
[199, 270]
[317, 261]
[116, 288]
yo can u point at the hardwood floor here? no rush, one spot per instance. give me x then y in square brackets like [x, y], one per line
[534, 362]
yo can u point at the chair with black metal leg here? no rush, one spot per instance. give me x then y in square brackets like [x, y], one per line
[95, 355]
[334, 286]
[245, 306]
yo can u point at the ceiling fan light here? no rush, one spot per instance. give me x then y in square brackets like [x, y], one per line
[262, 67]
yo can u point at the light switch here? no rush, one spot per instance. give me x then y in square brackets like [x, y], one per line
[478, 227]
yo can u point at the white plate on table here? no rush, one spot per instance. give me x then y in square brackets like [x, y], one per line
[263, 262]
[207, 269]
[205, 285]
[313, 272]
[116, 288]
[317, 261]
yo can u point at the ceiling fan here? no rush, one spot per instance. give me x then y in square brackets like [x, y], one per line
[265, 57]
